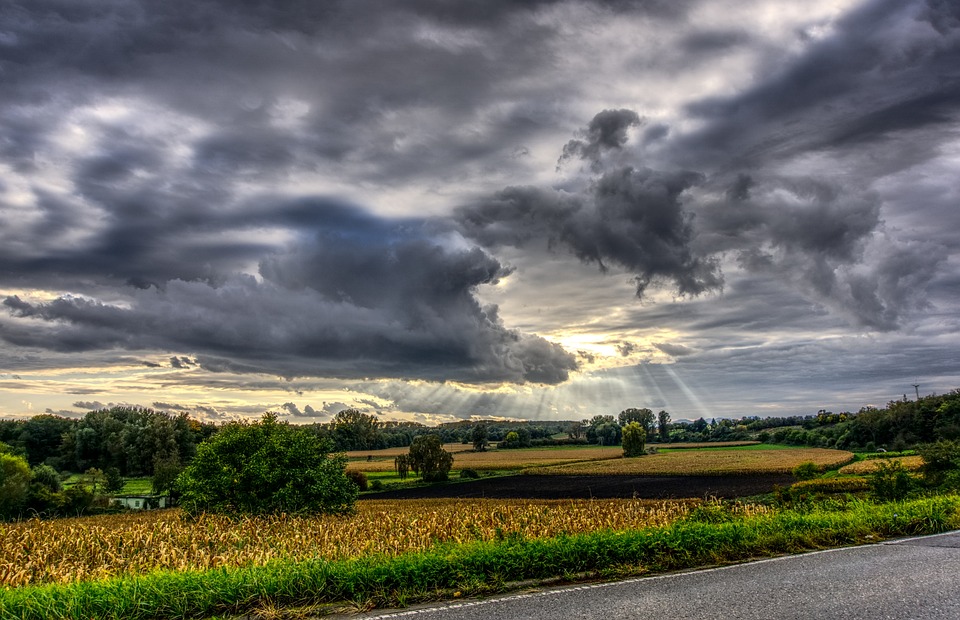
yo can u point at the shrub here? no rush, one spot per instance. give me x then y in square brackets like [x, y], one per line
[469, 473]
[941, 462]
[806, 471]
[358, 478]
[376, 485]
[890, 482]
[15, 477]
[265, 467]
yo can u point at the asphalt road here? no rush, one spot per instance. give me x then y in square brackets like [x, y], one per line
[906, 579]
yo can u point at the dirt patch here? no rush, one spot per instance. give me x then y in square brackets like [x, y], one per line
[579, 487]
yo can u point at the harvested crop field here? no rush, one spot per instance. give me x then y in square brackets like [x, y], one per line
[568, 487]
[911, 463]
[499, 459]
[705, 445]
[705, 463]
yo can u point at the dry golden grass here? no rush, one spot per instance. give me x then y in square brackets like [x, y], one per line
[911, 463]
[503, 459]
[705, 463]
[69, 550]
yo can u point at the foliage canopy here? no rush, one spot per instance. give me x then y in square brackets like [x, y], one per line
[266, 467]
[429, 459]
[634, 439]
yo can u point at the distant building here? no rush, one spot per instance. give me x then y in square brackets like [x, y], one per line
[141, 502]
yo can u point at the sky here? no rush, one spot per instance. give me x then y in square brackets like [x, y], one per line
[433, 210]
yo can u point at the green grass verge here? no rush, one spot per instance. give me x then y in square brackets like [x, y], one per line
[711, 535]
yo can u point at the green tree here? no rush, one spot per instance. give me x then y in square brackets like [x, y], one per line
[355, 430]
[165, 472]
[644, 417]
[402, 465]
[94, 479]
[48, 477]
[603, 429]
[634, 438]
[481, 437]
[266, 467]
[429, 459]
[663, 425]
[113, 481]
[576, 430]
[15, 477]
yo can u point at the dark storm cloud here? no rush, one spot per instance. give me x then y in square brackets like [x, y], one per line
[633, 218]
[360, 296]
[306, 412]
[826, 241]
[607, 131]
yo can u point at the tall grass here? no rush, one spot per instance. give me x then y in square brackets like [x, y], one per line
[709, 535]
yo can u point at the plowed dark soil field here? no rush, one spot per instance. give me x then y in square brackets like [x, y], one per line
[579, 487]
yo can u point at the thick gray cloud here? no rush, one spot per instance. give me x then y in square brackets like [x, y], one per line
[630, 217]
[333, 190]
[359, 297]
[606, 132]
[890, 66]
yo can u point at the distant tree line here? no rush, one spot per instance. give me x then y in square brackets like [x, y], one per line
[108, 445]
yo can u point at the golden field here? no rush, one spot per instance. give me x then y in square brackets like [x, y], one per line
[911, 463]
[705, 463]
[491, 459]
[69, 550]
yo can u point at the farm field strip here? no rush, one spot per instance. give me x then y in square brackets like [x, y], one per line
[705, 462]
[71, 550]
[911, 463]
[506, 459]
[703, 445]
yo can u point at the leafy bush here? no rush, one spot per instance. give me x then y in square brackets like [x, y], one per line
[15, 477]
[358, 478]
[890, 482]
[806, 471]
[265, 467]
[469, 473]
[711, 512]
[376, 485]
[941, 463]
